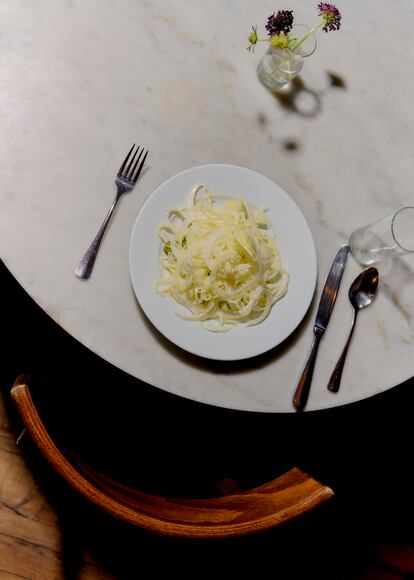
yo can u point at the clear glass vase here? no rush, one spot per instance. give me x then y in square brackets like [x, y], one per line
[278, 67]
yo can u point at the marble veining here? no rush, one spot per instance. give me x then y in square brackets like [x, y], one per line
[83, 79]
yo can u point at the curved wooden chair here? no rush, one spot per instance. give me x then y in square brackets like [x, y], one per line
[257, 509]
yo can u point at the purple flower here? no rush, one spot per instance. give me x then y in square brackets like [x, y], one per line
[280, 23]
[331, 15]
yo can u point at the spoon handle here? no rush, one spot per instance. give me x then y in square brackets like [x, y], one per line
[335, 380]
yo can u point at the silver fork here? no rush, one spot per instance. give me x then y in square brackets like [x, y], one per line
[125, 181]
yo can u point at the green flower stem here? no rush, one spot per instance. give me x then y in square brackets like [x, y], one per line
[275, 69]
[308, 34]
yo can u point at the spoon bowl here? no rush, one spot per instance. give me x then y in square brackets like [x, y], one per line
[361, 294]
[363, 289]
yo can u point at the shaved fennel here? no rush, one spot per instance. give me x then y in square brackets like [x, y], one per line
[219, 263]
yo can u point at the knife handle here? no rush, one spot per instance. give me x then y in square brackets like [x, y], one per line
[302, 390]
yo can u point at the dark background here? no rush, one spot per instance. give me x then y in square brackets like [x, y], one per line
[165, 444]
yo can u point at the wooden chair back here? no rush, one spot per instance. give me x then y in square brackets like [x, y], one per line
[256, 509]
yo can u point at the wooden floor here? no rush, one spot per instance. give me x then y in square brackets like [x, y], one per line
[364, 452]
[30, 534]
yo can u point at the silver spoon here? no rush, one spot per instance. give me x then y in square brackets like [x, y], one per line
[361, 294]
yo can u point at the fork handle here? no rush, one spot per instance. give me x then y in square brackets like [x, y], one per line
[84, 268]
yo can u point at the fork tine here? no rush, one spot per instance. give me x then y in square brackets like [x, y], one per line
[127, 171]
[130, 175]
[140, 168]
[126, 160]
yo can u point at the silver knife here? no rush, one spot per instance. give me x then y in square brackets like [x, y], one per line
[326, 304]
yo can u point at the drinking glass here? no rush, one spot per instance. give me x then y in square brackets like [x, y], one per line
[392, 235]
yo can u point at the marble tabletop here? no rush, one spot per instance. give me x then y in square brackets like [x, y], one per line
[84, 79]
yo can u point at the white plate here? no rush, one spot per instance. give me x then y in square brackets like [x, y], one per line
[297, 251]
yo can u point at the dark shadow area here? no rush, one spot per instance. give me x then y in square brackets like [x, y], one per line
[166, 444]
[299, 98]
[291, 145]
[336, 81]
[262, 120]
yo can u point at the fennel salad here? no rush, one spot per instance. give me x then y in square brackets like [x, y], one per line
[219, 261]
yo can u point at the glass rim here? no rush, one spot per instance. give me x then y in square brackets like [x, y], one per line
[312, 36]
[393, 225]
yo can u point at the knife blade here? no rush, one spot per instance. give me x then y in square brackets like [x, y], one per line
[326, 304]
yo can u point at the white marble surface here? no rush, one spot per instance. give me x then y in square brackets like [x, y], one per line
[83, 79]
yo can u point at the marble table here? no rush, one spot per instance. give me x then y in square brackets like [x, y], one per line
[83, 79]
